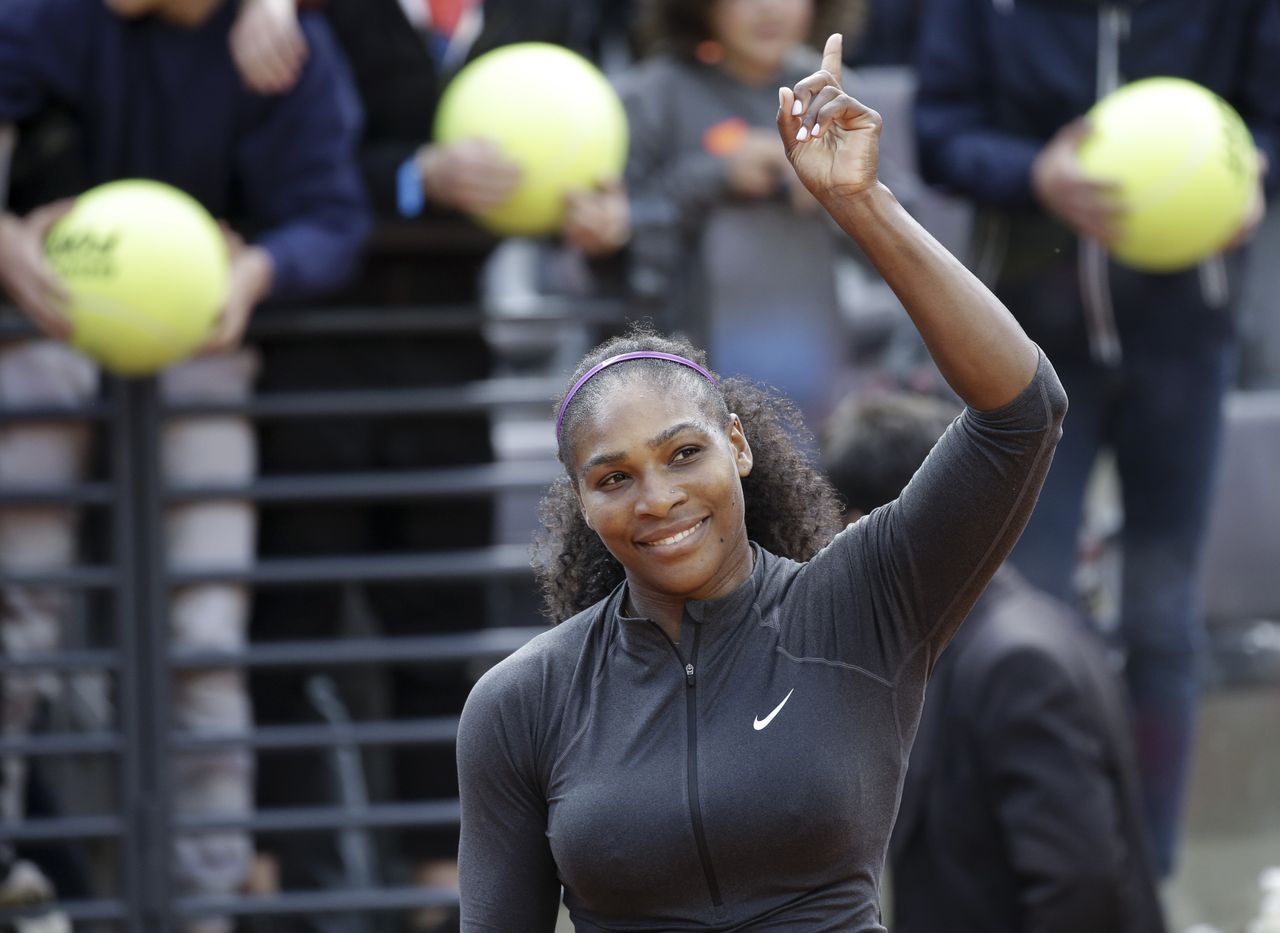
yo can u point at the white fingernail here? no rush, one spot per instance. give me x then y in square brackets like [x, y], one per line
[802, 134]
[817, 128]
[797, 108]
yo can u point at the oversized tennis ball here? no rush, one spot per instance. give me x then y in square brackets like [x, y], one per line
[146, 267]
[1186, 166]
[549, 110]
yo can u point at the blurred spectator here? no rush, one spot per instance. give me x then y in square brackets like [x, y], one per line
[1020, 808]
[704, 148]
[402, 55]
[1145, 358]
[154, 93]
[889, 34]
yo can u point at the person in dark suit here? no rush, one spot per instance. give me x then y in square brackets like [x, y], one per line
[1020, 809]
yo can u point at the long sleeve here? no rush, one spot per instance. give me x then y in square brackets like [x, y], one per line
[1044, 763]
[1256, 96]
[912, 569]
[507, 873]
[959, 143]
[43, 46]
[301, 178]
[960, 516]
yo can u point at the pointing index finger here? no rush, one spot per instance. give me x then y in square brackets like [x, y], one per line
[832, 54]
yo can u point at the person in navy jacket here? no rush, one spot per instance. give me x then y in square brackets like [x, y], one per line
[153, 88]
[1146, 358]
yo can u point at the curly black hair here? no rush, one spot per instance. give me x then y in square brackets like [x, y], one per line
[790, 508]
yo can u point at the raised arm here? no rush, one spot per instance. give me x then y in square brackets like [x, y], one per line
[833, 143]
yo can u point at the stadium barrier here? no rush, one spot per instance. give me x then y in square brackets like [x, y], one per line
[128, 583]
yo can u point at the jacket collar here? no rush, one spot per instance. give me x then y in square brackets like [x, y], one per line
[721, 613]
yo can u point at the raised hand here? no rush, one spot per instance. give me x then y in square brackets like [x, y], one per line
[831, 140]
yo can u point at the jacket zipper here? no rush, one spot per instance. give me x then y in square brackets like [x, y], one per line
[1092, 269]
[691, 759]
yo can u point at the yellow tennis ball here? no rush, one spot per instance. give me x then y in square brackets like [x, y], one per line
[1186, 166]
[549, 110]
[147, 270]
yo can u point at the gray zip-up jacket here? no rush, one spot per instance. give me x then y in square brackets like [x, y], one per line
[747, 777]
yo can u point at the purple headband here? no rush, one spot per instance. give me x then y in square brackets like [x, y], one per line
[622, 357]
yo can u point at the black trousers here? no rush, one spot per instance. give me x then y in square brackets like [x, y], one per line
[335, 445]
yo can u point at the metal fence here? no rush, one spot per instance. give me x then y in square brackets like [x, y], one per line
[130, 582]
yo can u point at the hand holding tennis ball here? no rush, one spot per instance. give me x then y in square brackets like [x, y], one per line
[1163, 171]
[145, 270]
[249, 280]
[1091, 207]
[135, 273]
[470, 175]
[25, 273]
[514, 99]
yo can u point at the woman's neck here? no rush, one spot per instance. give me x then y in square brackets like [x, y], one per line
[665, 612]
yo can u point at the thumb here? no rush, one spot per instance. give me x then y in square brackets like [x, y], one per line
[1075, 132]
[43, 218]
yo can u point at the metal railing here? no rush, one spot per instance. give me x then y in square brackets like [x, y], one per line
[136, 582]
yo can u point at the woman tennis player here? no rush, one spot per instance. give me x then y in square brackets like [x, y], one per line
[715, 736]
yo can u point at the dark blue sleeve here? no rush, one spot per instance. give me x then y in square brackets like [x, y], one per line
[1257, 99]
[300, 176]
[959, 144]
[44, 46]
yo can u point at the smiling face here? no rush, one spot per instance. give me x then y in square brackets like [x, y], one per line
[756, 35]
[659, 477]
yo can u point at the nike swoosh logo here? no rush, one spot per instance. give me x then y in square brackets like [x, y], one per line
[761, 723]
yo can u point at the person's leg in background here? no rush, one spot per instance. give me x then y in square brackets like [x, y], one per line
[1048, 306]
[1178, 365]
[211, 617]
[1048, 553]
[303, 447]
[44, 374]
[423, 772]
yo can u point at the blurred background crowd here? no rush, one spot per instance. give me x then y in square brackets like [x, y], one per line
[1100, 746]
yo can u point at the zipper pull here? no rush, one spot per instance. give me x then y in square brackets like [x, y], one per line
[688, 674]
